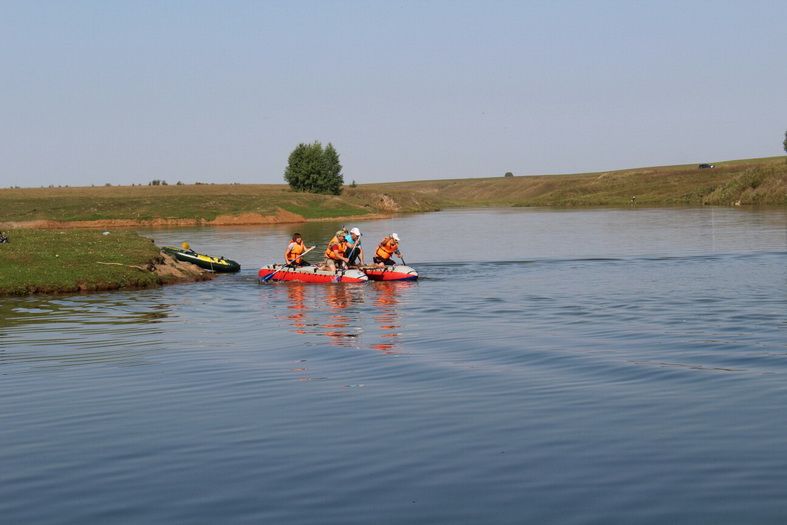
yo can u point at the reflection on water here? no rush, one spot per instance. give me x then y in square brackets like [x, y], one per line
[297, 296]
[347, 315]
[343, 324]
[387, 315]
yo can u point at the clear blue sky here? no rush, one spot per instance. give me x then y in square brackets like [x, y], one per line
[127, 92]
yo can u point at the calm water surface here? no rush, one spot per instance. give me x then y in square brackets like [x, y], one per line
[605, 366]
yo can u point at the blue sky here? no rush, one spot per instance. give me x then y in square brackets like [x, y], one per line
[126, 92]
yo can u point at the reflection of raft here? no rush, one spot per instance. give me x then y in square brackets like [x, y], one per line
[390, 273]
[309, 274]
[216, 264]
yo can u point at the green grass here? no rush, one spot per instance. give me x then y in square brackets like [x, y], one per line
[49, 261]
[312, 206]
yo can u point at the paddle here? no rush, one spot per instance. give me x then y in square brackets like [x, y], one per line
[270, 275]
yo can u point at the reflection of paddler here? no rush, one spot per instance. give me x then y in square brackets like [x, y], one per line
[295, 293]
[386, 296]
[337, 329]
[343, 326]
[338, 297]
[387, 316]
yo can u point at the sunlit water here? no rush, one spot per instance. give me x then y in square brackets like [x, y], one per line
[606, 366]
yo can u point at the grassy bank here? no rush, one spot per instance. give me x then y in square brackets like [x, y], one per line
[744, 182]
[205, 202]
[47, 261]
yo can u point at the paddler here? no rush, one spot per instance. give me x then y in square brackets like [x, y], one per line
[335, 252]
[387, 248]
[292, 255]
[354, 248]
[187, 248]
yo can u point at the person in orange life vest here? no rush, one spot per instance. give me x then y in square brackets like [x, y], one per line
[354, 249]
[292, 255]
[387, 248]
[334, 253]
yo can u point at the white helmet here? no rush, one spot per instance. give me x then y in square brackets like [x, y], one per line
[355, 231]
[395, 237]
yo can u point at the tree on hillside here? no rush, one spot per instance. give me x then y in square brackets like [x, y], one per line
[785, 142]
[313, 169]
[333, 170]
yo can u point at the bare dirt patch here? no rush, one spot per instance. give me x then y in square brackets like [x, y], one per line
[170, 270]
[281, 217]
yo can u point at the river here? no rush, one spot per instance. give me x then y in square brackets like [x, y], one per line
[550, 366]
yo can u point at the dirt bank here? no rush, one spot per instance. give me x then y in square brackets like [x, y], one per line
[169, 270]
[244, 219]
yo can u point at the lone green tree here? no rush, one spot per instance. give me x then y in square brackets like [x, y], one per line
[312, 169]
[785, 142]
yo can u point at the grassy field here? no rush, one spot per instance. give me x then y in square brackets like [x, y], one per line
[47, 261]
[204, 201]
[743, 182]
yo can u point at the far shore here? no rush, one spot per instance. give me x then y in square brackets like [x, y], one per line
[749, 182]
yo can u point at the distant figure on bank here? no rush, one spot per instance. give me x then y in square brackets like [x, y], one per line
[187, 247]
[387, 248]
[3, 238]
[292, 255]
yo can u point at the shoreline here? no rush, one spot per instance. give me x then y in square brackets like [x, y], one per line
[64, 262]
[167, 271]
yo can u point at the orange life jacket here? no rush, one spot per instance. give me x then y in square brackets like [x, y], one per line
[293, 251]
[387, 248]
[336, 245]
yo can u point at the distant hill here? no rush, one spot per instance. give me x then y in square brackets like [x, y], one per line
[741, 182]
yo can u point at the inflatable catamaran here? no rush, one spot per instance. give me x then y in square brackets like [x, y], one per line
[398, 272]
[313, 274]
[309, 274]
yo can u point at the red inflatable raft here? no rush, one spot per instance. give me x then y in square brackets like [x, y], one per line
[309, 274]
[390, 273]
